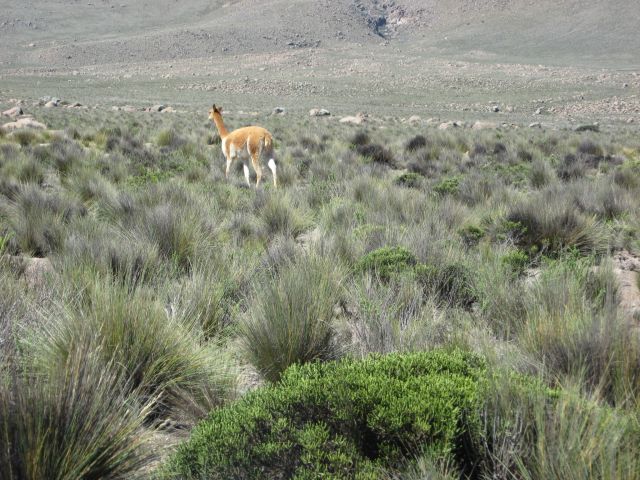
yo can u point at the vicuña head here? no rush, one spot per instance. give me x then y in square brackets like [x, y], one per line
[245, 143]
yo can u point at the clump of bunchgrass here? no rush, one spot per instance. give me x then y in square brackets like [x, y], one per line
[160, 352]
[290, 317]
[80, 421]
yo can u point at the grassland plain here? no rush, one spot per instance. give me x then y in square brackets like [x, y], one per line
[175, 296]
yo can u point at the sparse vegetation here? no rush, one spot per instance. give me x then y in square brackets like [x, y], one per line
[176, 295]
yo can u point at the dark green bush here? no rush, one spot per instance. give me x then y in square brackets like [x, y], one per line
[447, 186]
[347, 419]
[376, 153]
[517, 261]
[387, 261]
[416, 143]
[471, 235]
[409, 180]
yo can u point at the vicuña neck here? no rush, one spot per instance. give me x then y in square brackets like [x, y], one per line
[217, 119]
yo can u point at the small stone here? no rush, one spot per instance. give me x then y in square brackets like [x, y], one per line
[415, 119]
[319, 112]
[630, 120]
[539, 111]
[50, 104]
[168, 110]
[278, 111]
[535, 125]
[495, 108]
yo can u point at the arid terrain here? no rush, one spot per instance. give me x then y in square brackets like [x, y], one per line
[444, 285]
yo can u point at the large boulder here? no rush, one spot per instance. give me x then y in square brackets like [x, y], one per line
[24, 123]
[358, 119]
[13, 112]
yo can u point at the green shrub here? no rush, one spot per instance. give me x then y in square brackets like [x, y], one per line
[447, 186]
[471, 235]
[347, 419]
[517, 261]
[289, 320]
[409, 180]
[387, 261]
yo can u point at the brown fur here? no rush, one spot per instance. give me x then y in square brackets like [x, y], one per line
[244, 143]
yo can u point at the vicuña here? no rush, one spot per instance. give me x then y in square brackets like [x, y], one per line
[244, 143]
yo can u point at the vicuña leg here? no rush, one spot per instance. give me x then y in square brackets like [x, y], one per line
[245, 167]
[272, 167]
[255, 160]
[226, 173]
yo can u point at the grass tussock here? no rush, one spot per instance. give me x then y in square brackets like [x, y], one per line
[291, 317]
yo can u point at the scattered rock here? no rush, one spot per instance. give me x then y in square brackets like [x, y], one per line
[74, 105]
[35, 270]
[626, 268]
[13, 112]
[625, 85]
[49, 100]
[495, 108]
[156, 108]
[415, 119]
[278, 111]
[539, 111]
[535, 125]
[358, 119]
[50, 104]
[24, 123]
[432, 121]
[589, 127]
[451, 124]
[168, 110]
[630, 120]
[484, 126]
[319, 112]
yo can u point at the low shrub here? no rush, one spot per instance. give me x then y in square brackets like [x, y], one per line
[471, 235]
[409, 180]
[360, 138]
[347, 419]
[416, 143]
[447, 186]
[516, 261]
[386, 261]
[376, 153]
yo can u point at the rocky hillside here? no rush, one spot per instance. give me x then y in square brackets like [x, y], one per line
[72, 33]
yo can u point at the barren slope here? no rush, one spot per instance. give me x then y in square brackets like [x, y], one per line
[71, 33]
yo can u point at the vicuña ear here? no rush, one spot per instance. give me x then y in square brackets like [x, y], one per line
[214, 106]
